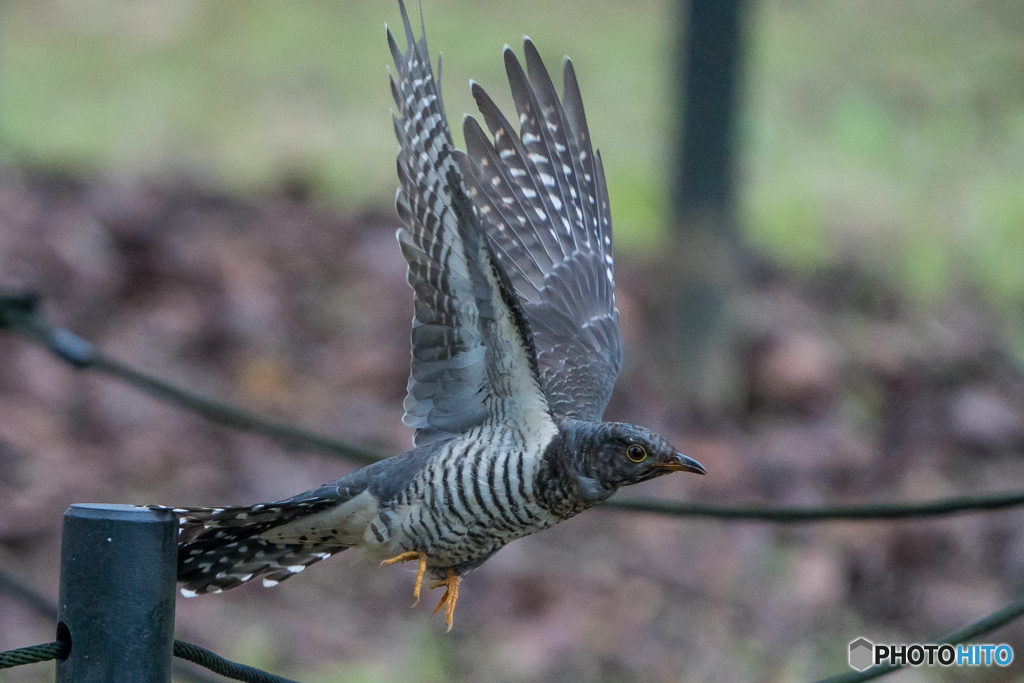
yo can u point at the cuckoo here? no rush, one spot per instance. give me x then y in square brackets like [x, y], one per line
[515, 350]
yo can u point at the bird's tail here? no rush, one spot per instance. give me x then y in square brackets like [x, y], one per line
[223, 547]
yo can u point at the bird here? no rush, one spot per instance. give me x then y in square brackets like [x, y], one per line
[516, 346]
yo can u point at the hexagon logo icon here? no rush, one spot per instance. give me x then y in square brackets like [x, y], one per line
[861, 653]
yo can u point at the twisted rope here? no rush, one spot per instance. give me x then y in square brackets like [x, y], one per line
[224, 667]
[33, 654]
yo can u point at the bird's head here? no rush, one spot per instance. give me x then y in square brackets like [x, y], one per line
[608, 455]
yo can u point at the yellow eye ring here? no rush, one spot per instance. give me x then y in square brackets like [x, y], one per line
[636, 453]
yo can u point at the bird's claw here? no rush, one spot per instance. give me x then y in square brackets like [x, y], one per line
[422, 559]
[451, 595]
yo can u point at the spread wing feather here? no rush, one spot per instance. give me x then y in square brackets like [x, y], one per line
[473, 359]
[542, 198]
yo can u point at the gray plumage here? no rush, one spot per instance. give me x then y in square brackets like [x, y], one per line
[515, 350]
[543, 201]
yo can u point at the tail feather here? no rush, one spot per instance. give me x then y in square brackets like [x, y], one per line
[223, 547]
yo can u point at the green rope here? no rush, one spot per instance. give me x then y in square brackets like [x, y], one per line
[219, 665]
[33, 654]
[758, 513]
[187, 651]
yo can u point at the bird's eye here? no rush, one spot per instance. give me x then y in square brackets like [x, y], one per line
[636, 453]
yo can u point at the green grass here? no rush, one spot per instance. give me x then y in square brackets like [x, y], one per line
[240, 95]
[892, 132]
[886, 133]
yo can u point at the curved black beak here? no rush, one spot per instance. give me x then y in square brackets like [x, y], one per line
[682, 463]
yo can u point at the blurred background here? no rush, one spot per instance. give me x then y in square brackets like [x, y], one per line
[205, 190]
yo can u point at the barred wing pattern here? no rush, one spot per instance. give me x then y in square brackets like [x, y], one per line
[473, 357]
[220, 548]
[543, 201]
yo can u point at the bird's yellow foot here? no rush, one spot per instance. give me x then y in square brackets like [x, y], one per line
[451, 595]
[406, 557]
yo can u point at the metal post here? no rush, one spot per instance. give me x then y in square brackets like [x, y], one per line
[710, 71]
[117, 576]
[701, 336]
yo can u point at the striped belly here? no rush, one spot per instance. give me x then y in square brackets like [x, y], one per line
[475, 497]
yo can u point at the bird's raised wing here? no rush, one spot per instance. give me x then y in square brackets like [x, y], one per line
[473, 359]
[542, 198]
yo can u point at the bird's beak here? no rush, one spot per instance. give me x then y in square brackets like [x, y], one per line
[682, 463]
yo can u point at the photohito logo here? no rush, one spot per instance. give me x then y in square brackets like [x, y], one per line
[864, 653]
